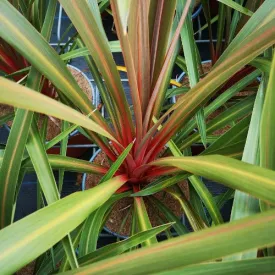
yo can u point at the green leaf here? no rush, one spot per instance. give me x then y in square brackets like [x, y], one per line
[26, 239]
[163, 21]
[114, 46]
[93, 35]
[162, 75]
[200, 188]
[206, 87]
[262, 64]
[246, 267]
[104, 5]
[237, 7]
[234, 22]
[189, 48]
[41, 165]
[26, 40]
[13, 155]
[233, 113]
[193, 248]
[166, 74]
[115, 166]
[46, 267]
[219, 101]
[60, 136]
[106, 99]
[47, 182]
[63, 151]
[267, 131]
[122, 246]
[245, 205]
[228, 171]
[195, 220]
[234, 150]
[75, 235]
[170, 216]
[161, 184]
[93, 224]
[22, 97]
[235, 134]
[69, 164]
[207, 199]
[18, 136]
[143, 219]
[220, 29]
[255, 26]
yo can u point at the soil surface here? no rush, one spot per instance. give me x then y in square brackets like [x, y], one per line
[123, 206]
[26, 270]
[5, 110]
[83, 83]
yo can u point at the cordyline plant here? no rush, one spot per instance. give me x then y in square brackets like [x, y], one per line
[151, 35]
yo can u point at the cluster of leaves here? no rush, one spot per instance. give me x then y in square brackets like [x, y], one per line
[149, 143]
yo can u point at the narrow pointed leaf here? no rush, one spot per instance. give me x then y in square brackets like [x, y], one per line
[267, 134]
[26, 239]
[237, 7]
[248, 267]
[232, 173]
[69, 164]
[143, 219]
[93, 225]
[193, 248]
[115, 166]
[22, 97]
[122, 246]
[83, 14]
[27, 41]
[245, 205]
[189, 48]
[170, 216]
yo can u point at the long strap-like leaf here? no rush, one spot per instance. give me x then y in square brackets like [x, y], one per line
[22, 97]
[13, 155]
[251, 267]
[193, 248]
[85, 14]
[245, 204]
[23, 241]
[187, 106]
[119, 247]
[228, 171]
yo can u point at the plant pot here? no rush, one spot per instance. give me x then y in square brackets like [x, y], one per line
[120, 210]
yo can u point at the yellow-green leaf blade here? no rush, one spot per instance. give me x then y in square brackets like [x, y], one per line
[193, 248]
[26, 239]
[22, 97]
[228, 171]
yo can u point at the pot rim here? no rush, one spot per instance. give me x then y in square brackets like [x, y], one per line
[197, 12]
